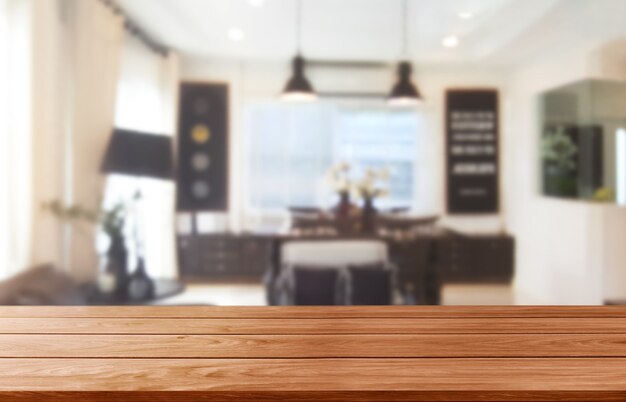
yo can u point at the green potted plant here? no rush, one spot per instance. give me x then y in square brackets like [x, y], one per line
[111, 222]
[558, 150]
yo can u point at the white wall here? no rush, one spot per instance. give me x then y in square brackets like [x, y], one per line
[252, 81]
[568, 252]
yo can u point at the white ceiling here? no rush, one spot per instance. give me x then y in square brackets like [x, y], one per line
[502, 31]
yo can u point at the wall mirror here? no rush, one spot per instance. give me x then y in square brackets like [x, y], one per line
[583, 141]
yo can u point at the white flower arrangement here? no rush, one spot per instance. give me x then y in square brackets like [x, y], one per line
[338, 177]
[373, 184]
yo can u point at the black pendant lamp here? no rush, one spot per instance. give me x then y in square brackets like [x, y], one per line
[404, 92]
[298, 87]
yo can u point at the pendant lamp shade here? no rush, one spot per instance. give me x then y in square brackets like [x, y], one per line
[404, 92]
[298, 87]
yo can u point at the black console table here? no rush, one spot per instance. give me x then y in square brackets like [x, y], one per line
[462, 258]
[424, 261]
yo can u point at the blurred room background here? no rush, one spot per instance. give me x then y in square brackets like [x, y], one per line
[294, 152]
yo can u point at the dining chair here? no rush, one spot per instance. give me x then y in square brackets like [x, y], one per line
[306, 267]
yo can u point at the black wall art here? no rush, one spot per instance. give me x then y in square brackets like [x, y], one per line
[203, 148]
[472, 151]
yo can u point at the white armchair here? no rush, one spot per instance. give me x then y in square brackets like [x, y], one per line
[334, 252]
[327, 255]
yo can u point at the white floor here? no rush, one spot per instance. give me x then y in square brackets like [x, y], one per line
[476, 295]
[254, 295]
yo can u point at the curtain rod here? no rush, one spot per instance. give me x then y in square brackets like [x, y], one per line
[136, 30]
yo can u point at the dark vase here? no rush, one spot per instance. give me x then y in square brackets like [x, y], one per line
[368, 216]
[117, 260]
[343, 212]
[140, 286]
[344, 206]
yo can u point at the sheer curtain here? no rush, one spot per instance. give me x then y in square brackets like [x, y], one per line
[59, 72]
[50, 88]
[15, 136]
[146, 101]
[96, 36]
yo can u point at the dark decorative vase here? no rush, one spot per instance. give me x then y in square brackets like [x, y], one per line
[117, 260]
[140, 286]
[343, 212]
[368, 216]
[343, 208]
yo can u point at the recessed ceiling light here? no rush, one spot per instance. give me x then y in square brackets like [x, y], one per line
[466, 15]
[450, 41]
[256, 3]
[236, 34]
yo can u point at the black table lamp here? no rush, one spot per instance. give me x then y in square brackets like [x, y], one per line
[137, 154]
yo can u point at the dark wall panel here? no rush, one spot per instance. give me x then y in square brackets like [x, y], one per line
[472, 146]
[203, 147]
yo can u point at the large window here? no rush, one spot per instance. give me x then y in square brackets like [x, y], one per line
[290, 148]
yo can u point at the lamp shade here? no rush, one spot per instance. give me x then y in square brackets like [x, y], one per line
[404, 92]
[298, 87]
[139, 154]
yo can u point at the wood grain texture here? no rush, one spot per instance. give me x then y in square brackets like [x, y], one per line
[254, 375]
[305, 354]
[311, 346]
[309, 326]
[310, 396]
[315, 312]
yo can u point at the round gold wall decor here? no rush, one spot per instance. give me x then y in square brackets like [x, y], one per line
[200, 133]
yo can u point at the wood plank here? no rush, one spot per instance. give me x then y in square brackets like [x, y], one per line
[304, 326]
[310, 346]
[311, 375]
[313, 353]
[322, 312]
[308, 396]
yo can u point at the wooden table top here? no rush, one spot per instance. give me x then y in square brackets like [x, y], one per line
[160, 354]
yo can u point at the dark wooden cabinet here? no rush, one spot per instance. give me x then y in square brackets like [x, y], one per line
[416, 275]
[410, 257]
[223, 257]
[423, 263]
[476, 259]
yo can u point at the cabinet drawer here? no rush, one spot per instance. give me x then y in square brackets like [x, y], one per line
[218, 245]
[217, 255]
[494, 258]
[454, 259]
[215, 268]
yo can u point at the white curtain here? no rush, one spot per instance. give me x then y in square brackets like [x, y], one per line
[59, 101]
[147, 102]
[95, 48]
[50, 78]
[15, 136]
[62, 64]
